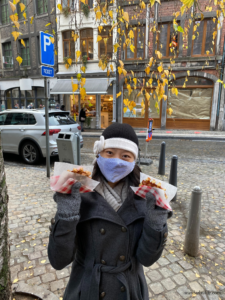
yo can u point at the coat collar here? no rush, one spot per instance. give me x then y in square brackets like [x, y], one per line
[94, 206]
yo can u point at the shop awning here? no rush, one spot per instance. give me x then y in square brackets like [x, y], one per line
[93, 86]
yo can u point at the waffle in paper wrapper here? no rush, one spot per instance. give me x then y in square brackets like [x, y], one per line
[63, 180]
[158, 193]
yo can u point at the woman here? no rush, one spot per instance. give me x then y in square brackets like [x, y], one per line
[110, 233]
[82, 117]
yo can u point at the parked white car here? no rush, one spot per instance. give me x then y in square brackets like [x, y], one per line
[23, 132]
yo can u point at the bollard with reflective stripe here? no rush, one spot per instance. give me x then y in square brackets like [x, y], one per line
[191, 243]
[162, 158]
[173, 173]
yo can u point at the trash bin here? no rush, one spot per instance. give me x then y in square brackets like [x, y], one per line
[69, 147]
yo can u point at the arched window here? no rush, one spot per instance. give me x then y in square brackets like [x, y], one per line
[105, 46]
[86, 42]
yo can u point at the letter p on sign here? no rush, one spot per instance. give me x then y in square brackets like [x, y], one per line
[47, 42]
[46, 49]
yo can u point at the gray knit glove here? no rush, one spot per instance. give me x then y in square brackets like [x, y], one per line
[157, 216]
[68, 206]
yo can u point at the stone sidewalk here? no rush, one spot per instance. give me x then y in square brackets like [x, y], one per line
[174, 276]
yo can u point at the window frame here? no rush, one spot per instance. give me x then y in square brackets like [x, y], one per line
[4, 50]
[43, 7]
[86, 39]
[68, 40]
[135, 42]
[168, 39]
[20, 14]
[22, 48]
[6, 11]
[86, 2]
[203, 40]
[105, 45]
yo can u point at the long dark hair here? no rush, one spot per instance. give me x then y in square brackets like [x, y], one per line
[134, 176]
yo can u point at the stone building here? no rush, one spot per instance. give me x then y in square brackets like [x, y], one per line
[22, 86]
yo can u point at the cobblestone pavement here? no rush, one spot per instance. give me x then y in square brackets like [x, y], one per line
[175, 275]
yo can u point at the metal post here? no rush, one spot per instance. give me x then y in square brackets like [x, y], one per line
[161, 170]
[47, 130]
[191, 243]
[173, 173]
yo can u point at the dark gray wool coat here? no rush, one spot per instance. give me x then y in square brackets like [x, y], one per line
[107, 248]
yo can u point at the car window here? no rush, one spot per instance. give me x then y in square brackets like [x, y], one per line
[60, 119]
[16, 119]
[2, 119]
[32, 119]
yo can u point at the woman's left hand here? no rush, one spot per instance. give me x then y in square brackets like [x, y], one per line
[157, 216]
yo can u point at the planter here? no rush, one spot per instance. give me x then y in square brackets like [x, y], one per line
[66, 11]
[86, 10]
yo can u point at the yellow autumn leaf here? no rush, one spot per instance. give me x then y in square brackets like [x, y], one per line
[219, 283]
[59, 6]
[84, 43]
[160, 69]
[69, 61]
[52, 39]
[188, 72]
[131, 34]
[56, 52]
[83, 69]
[117, 95]
[111, 14]
[47, 24]
[15, 280]
[83, 1]
[99, 38]
[17, 24]
[116, 46]
[78, 54]
[169, 111]
[188, 3]
[197, 275]
[16, 1]
[19, 59]
[13, 7]
[22, 42]
[147, 96]
[43, 261]
[193, 37]
[24, 15]
[56, 20]
[100, 28]
[67, 66]
[132, 48]
[31, 20]
[120, 70]
[126, 102]
[174, 91]
[159, 54]
[98, 15]
[164, 97]
[82, 82]
[14, 18]
[82, 93]
[15, 34]
[126, 16]
[74, 87]
[124, 72]
[108, 73]
[124, 110]
[22, 7]
[111, 67]
[147, 70]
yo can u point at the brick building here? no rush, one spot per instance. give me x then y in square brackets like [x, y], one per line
[22, 86]
[200, 102]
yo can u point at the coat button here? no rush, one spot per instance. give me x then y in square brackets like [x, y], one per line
[165, 234]
[124, 229]
[102, 295]
[102, 231]
[122, 289]
[103, 262]
[122, 257]
[52, 221]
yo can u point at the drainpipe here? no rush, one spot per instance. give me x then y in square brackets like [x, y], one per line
[221, 77]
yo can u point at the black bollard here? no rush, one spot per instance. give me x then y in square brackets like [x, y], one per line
[162, 159]
[173, 173]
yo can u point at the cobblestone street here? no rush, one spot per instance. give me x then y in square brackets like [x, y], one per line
[175, 275]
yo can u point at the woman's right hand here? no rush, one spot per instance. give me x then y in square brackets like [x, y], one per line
[68, 206]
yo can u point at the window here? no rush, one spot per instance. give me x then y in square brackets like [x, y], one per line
[4, 12]
[20, 13]
[168, 40]
[16, 119]
[105, 46]
[68, 3]
[25, 53]
[7, 55]
[86, 42]
[42, 7]
[109, 2]
[60, 119]
[138, 42]
[29, 119]
[203, 41]
[68, 44]
[88, 2]
[2, 119]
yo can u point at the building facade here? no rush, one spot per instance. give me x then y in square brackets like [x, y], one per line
[22, 85]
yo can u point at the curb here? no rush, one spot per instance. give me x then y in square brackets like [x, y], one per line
[34, 291]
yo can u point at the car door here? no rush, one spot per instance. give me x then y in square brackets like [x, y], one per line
[12, 131]
[2, 125]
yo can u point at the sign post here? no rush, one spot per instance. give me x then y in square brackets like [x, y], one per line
[47, 59]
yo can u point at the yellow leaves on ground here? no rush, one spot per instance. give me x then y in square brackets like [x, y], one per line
[13, 7]
[98, 15]
[22, 42]
[22, 7]
[82, 82]
[43, 261]
[131, 34]
[15, 34]
[147, 70]
[52, 39]
[19, 59]
[59, 6]
[82, 93]
[116, 46]
[169, 111]
[99, 38]
[117, 95]
[111, 14]
[188, 3]
[132, 48]
[174, 91]
[15, 280]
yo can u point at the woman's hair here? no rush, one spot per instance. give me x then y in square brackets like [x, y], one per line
[134, 176]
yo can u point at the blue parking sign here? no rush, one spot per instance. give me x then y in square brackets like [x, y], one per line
[47, 71]
[46, 49]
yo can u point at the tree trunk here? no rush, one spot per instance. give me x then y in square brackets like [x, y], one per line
[5, 280]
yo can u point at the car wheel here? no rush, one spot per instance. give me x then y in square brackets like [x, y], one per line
[30, 153]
